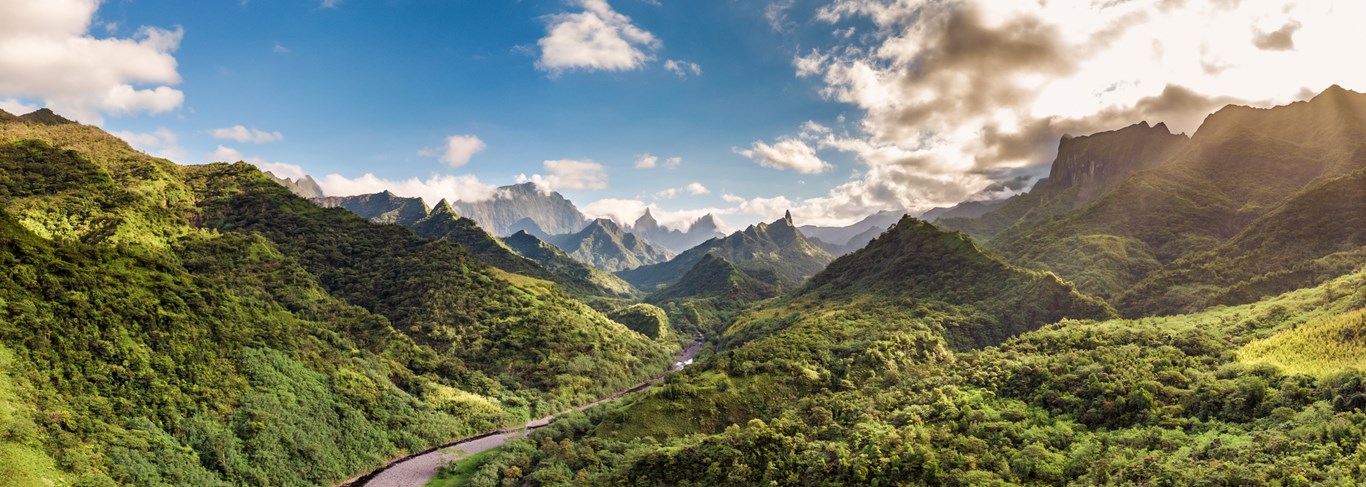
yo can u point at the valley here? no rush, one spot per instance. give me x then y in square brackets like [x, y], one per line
[695, 244]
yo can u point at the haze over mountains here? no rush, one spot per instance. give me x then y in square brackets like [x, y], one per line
[208, 325]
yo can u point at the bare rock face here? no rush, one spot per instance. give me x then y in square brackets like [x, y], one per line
[1095, 163]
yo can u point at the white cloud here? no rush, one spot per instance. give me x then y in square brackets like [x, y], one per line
[951, 97]
[569, 174]
[459, 149]
[682, 68]
[161, 142]
[787, 153]
[47, 54]
[696, 188]
[331, 3]
[667, 194]
[626, 212]
[598, 38]
[16, 107]
[242, 134]
[280, 49]
[226, 154]
[647, 161]
[431, 190]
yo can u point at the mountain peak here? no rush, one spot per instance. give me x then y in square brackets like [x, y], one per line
[44, 116]
[443, 207]
[1093, 163]
[606, 224]
[787, 217]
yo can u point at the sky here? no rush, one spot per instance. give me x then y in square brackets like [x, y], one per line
[832, 109]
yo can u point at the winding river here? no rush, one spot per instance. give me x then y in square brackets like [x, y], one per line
[418, 469]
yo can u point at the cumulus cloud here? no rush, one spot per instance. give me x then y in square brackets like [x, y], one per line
[226, 154]
[598, 38]
[459, 149]
[242, 134]
[682, 68]
[161, 142]
[786, 153]
[47, 54]
[694, 188]
[952, 97]
[568, 174]
[648, 161]
[431, 190]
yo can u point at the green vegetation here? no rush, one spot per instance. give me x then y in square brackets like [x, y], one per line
[1319, 348]
[775, 253]
[603, 244]
[178, 325]
[459, 472]
[1161, 401]
[601, 282]
[645, 319]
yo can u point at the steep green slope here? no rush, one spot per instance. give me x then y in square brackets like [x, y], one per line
[1085, 168]
[603, 244]
[556, 261]
[1157, 401]
[776, 253]
[434, 291]
[139, 347]
[1320, 347]
[1314, 236]
[711, 294]
[1241, 164]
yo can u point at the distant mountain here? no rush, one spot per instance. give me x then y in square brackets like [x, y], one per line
[603, 244]
[4, 116]
[915, 262]
[305, 187]
[444, 223]
[715, 277]
[966, 209]
[503, 214]
[702, 230]
[560, 263]
[776, 253]
[1238, 169]
[840, 236]
[854, 243]
[1084, 169]
[383, 207]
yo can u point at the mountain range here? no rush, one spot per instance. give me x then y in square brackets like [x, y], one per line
[605, 245]
[442, 222]
[995, 355]
[676, 241]
[1162, 309]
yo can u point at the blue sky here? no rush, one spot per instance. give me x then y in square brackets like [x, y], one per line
[835, 109]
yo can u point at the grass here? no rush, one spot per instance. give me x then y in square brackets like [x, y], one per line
[1319, 348]
[459, 473]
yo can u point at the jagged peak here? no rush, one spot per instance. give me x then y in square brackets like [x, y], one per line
[442, 207]
[787, 217]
